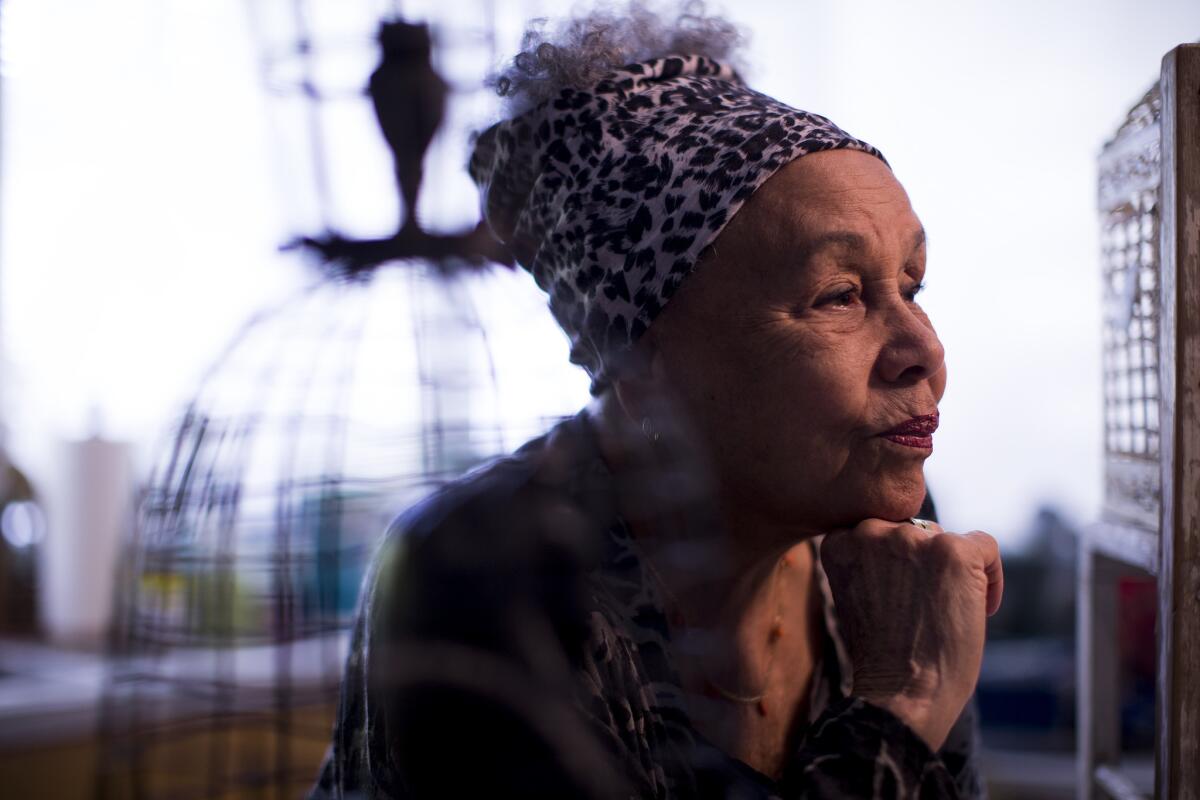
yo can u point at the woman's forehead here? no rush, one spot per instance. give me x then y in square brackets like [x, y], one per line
[854, 242]
[841, 201]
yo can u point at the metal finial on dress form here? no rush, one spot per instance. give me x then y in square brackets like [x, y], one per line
[409, 99]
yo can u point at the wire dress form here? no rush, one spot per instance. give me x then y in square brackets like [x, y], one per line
[323, 419]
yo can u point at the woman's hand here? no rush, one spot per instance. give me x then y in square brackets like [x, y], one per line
[912, 606]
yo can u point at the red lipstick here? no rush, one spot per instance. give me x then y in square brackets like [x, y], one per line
[916, 432]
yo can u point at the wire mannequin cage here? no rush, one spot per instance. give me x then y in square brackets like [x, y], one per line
[323, 419]
[1129, 217]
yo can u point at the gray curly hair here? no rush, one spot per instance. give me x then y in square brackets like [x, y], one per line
[579, 50]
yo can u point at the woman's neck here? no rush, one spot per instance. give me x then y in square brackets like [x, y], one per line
[739, 594]
[746, 648]
[721, 553]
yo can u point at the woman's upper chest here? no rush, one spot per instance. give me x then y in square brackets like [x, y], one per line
[757, 703]
[658, 698]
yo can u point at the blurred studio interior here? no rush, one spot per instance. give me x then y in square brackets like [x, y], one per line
[207, 419]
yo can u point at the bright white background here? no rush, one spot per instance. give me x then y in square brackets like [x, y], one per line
[144, 193]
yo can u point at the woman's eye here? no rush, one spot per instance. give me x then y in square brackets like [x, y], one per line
[913, 291]
[842, 297]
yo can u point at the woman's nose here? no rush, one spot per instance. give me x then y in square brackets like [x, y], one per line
[912, 351]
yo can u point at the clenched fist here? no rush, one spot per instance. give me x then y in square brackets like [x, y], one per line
[912, 606]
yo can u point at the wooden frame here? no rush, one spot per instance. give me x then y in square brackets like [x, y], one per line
[1178, 735]
[1150, 174]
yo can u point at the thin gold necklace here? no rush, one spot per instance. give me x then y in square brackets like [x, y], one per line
[773, 636]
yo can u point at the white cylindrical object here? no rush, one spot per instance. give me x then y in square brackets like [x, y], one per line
[90, 513]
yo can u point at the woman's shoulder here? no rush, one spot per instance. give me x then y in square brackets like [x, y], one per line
[502, 507]
[493, 485]
[487, 487]
[500, 536]
[471, 625]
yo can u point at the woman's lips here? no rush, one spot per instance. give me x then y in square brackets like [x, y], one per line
[916, 432]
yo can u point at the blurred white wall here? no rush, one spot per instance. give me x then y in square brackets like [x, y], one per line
[139, 213]
[141, 206]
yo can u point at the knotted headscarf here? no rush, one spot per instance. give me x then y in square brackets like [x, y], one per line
[608, 195]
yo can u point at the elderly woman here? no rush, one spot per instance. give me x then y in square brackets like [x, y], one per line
[719, 580]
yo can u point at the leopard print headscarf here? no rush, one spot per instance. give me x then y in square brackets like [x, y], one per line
[609, 195]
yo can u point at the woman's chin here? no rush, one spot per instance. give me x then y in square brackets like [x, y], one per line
[898, 500]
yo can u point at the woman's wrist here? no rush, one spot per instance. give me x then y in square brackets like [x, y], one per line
[917, 713]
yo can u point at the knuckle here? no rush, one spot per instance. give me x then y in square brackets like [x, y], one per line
[910, 534]
[946, 548]
[985, 544]
[873, 528]
[843, 547]
[987, 539]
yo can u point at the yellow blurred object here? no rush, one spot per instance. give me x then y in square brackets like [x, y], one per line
[240, 755]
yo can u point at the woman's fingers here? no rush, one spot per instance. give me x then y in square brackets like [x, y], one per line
[981, 547]
[984, 548]
[988, 553]
[908, 596]
[927, 525]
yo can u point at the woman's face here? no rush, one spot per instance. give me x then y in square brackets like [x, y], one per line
[799, 342]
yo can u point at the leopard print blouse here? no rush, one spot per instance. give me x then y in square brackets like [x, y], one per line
[510, 642]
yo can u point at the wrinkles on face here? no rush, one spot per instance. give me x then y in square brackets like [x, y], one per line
[800, 340]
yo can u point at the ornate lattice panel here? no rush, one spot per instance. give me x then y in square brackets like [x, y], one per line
[1129, 220]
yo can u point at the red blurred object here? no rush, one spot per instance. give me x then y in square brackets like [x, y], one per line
[1137, 602]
